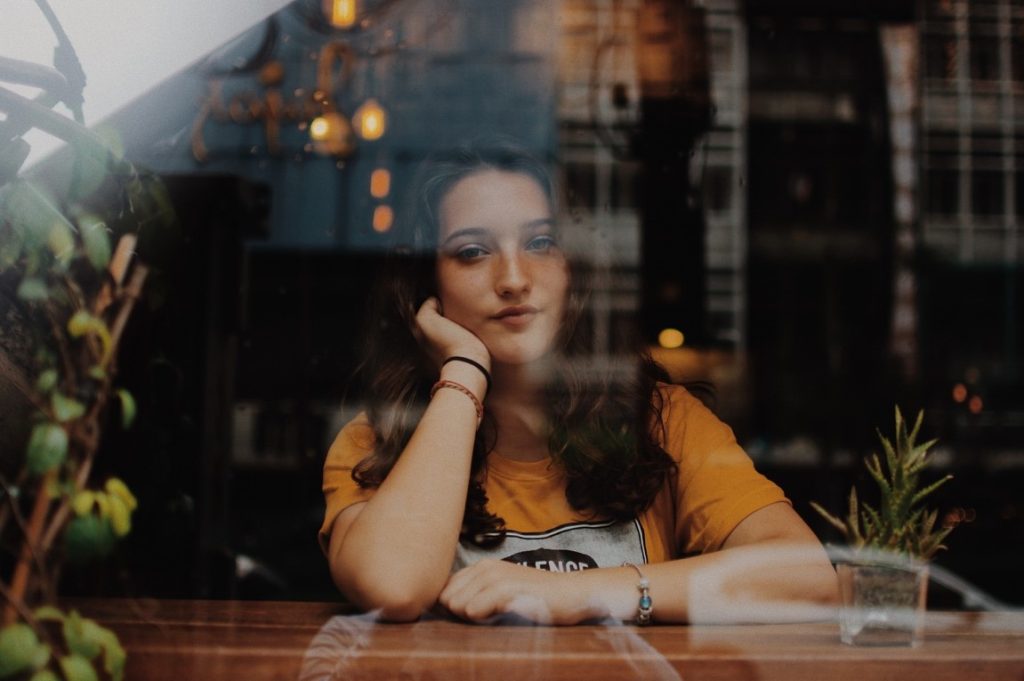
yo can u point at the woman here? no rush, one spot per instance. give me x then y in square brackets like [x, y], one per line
[521, 458]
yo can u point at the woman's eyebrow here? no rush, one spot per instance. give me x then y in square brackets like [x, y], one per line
[468, 231]
[538, 223]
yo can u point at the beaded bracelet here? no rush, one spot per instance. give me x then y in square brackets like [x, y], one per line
[445, 383]
[645, 606]
[472, 363]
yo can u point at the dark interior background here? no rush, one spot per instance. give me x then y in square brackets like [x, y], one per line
[746, 197]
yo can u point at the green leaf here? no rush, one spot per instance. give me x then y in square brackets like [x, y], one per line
[120, 516]
[875, 469]
[117, 488]
[87, 538]
[20, 650]
[852, 518]
[89, 639]
[96, 241]
[83, 323]
[917, 425]
[929, 489]
[77, 668]
[873, 524]
[44, 675]
[49, 613]
[33, 289]
[83, 501]
[47, 448]
[61, 240]
[832, 520]
[114, 655]
[127, 407]
[98, 373]
[919, 455]
[90, 169]
[66, 408]
[10, 247]
[32, 214]
[47, 381]
[83, 636]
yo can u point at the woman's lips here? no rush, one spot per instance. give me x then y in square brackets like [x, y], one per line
[518, 315]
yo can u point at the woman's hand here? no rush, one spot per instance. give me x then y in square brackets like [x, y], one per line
[496, 587]
[443, 338]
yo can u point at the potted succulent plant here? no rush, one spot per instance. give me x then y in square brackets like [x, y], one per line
[883, 571]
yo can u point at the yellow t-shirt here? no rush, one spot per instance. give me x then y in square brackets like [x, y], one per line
[716, 488]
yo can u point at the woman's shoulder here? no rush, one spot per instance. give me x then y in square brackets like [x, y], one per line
[355, 438]
[687, 399]
[687, 421]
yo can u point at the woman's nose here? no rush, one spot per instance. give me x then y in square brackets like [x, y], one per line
[512, 277]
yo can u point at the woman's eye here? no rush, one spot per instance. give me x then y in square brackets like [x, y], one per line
[469, 252]
[541, 243]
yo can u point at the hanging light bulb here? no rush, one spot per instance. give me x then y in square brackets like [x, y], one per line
[319, 129]
[371, 120]
[341, 13]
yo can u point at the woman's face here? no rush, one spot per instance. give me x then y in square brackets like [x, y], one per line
[500, 271]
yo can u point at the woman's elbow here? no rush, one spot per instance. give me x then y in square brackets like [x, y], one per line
[390, 602]
[826, 585]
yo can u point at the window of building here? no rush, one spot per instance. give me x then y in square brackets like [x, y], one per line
[987, 192]
[942, 191]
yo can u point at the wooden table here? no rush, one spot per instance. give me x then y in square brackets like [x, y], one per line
[200, 640]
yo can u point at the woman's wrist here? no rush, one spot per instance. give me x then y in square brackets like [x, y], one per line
[467, 375]
[473, 363]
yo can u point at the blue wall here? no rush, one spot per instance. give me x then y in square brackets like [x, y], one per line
[444, 71]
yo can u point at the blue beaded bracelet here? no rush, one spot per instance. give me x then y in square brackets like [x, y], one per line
[645, 606]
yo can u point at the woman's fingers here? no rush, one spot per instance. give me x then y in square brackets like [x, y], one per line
[470, 592]
[442, 337]
[493, 587]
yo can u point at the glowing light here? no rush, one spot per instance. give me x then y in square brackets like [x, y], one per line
[341, 13]
[319, 128]
[383, 217]
[975, 405]
[371, 120]
[671, 338]
[332, 135]
[959, 392]
[380, 183]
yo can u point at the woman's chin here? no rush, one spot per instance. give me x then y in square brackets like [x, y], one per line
[520, 357]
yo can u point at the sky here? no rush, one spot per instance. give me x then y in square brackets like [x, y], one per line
[126, 47]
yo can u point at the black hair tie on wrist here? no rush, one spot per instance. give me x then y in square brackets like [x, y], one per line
[471, 362]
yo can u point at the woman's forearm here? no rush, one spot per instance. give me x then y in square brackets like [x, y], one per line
[771, 568]
[397, 553]
[771, 581]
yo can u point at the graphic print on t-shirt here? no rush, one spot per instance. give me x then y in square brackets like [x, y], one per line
[566, 548]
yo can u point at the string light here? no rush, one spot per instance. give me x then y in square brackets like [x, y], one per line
[319, 128]
[341, 13]
[332, 135]
[370, 120]
[380, 183]
[383, 217]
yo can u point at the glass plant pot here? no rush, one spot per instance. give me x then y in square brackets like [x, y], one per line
[882, 605]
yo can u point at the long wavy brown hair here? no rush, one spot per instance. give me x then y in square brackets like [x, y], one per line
[608, 419]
